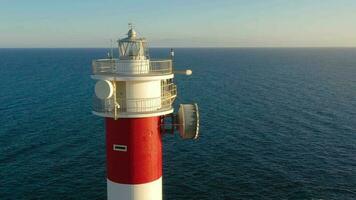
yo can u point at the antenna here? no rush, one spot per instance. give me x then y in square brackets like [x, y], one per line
[112, 49]
[130, 25]
[172, 54]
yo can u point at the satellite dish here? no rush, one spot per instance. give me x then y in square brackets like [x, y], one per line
[188, 121]
[104, 89]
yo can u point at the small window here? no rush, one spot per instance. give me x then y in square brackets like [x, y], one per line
[118, 147]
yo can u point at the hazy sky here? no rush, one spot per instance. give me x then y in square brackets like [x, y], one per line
[180, 23]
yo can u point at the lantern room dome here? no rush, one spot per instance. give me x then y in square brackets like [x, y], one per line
[132, 47]
[131, 33]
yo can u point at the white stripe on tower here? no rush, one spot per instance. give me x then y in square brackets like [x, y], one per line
[145, 191]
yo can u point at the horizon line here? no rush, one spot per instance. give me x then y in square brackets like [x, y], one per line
[190, 47]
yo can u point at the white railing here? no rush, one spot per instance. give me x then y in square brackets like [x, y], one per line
[115, 66]
[138, 106]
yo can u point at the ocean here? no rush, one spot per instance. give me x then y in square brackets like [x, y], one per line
[276, 123]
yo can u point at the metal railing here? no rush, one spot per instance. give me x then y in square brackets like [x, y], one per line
[138, 106]
[114, 66]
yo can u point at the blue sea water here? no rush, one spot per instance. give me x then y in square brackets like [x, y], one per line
[275, 124]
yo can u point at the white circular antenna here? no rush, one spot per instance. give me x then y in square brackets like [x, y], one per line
[104, 89]
[188, 121]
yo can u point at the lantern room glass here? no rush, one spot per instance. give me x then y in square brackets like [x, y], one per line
[133, 49]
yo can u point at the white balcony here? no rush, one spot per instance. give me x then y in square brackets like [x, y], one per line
[132, 67]
[115, 107]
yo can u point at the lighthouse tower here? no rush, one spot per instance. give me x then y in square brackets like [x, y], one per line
[135, 95]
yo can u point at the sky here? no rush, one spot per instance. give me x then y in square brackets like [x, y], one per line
[178, 23]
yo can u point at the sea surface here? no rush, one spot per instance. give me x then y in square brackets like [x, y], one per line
[275, 124]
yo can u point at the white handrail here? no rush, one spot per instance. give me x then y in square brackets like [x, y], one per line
[114, 66]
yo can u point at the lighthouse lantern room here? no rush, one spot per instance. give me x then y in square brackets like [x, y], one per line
[135, 95]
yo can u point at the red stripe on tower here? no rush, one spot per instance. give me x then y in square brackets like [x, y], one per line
[134, 150]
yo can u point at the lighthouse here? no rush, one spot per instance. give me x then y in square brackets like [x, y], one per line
[135, 95]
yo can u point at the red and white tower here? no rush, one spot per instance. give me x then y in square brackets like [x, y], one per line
[135, 95]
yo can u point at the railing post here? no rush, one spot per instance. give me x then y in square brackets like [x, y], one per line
[115, 101]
